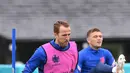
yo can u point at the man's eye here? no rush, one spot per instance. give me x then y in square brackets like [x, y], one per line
[95, 36]
[64, 35]
[100, 36]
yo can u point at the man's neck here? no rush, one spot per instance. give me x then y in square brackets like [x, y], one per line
[95, 48]
[56, 41]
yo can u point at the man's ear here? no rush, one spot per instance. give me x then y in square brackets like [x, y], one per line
[55, 34]
[88, 40]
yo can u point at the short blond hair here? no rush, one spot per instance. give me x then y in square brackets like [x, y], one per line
[92, 30]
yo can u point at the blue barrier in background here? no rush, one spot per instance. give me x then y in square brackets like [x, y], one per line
[19, 68]
[127, 68]
[8, 68]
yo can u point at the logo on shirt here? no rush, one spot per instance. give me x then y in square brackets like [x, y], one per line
[55, 59]
[102, 60]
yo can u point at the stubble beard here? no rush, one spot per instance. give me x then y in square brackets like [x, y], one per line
[64, 44]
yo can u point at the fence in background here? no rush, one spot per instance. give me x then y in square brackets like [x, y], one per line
[8, 68]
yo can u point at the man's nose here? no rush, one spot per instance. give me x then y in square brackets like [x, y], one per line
[99, 38]
[67, 37]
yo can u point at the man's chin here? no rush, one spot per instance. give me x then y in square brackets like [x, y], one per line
[98, 46]
[64, 45]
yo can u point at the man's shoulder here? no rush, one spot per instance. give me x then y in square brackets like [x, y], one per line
[40, 49]
[84, 50]
[104, 50]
